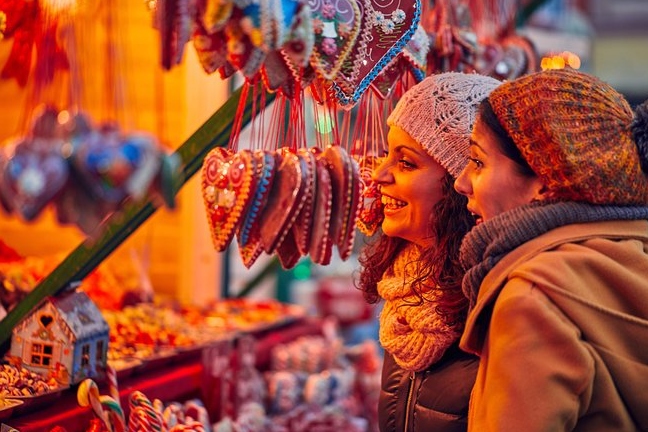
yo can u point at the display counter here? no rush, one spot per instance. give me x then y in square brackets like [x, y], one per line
[178, 379]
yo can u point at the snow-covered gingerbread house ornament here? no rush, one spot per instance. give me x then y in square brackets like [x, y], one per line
[66, 337]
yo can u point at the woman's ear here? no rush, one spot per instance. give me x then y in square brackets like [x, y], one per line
[541, 193]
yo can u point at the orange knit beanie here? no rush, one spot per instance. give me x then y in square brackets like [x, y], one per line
[575, 132]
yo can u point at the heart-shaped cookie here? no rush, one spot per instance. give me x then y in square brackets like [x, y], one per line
[252, 250]
[302, 228]
[371, 214]
[336, 25]
[298, 44]
[338, 163]
[415, 52]
[347, 235]
[385, 29]
[227, 181]
[266, 168]
[321, 245]
[285, 200]
[211, 48]
[212, 15]
[113, 166]
[34, 174]
[287, 252]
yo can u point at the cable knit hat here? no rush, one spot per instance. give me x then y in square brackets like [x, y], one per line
[575, 132]
[439, 113]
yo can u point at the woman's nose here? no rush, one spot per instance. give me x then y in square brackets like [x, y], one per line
[381, 174]
[461, 184]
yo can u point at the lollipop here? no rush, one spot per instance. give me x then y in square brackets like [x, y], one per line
[88, 395]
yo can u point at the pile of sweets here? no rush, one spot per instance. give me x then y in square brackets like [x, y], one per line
[17, 381]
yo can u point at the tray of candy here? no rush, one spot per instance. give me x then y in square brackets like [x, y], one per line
[36, 401]
[7, 407]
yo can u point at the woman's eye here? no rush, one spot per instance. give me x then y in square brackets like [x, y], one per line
[477, 162]
[406, 164]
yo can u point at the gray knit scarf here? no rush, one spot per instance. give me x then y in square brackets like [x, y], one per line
[487, 243]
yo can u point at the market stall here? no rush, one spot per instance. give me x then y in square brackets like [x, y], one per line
[286, 192]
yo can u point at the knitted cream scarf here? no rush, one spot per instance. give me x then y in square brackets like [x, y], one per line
[414, 334]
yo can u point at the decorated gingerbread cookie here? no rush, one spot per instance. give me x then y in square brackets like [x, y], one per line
[228, 181]
[285, 202]
[321, 245]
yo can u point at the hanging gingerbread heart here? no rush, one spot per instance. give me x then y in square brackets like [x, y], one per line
[287, 252]
[385, 29]
[321, 245]
[266, 168]
[415, 52]
[371, 214]
[253, 249]
[227, 181]
[250, 36]
[276, 74]
[285, 200]
[297, 47]
[114, 166]
[303, 226]
[211, 48]
[347, 239]
[336, 25]
[345, 189]
[212, 15]
[173, 21]
[34, 174]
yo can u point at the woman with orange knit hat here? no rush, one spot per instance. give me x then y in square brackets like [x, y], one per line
[557, 265]
[413, 266]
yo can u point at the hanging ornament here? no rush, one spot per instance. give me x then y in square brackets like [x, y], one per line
[336, 26]
[228, 183]
[385, 29]
[35, 170]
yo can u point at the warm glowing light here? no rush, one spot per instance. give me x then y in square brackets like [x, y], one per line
[58, 7]
[560, 61]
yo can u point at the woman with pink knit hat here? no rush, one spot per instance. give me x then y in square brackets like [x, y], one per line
[557, 266]
[412, 264]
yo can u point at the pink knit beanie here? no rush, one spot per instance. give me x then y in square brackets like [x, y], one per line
[439, 113]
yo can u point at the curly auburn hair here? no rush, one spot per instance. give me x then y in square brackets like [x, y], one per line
[449, 223]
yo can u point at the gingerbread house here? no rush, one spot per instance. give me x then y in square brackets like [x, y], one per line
[66, 337]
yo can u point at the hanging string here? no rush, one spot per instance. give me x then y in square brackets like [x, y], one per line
[238, 117]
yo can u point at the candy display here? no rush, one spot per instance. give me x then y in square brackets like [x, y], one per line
[19, 381]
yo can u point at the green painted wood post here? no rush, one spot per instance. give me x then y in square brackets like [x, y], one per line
[215, 132]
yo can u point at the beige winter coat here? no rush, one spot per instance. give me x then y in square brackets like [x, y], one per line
[561, 325]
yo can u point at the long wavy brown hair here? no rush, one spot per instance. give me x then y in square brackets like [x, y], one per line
[439, 265]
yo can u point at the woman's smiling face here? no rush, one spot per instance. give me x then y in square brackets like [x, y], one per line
[493, 182]
[411, 185]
